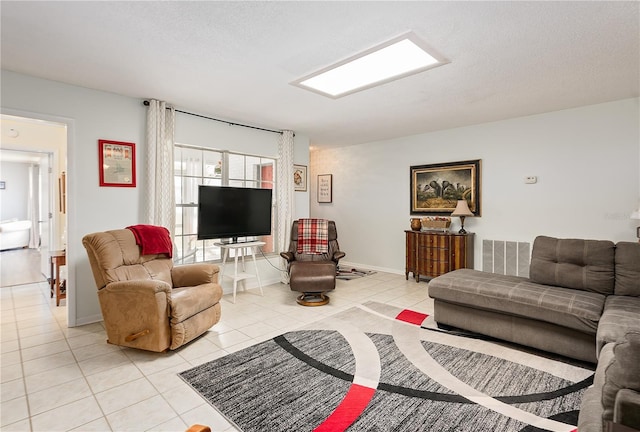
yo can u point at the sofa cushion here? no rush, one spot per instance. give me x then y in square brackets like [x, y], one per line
[573, 263]
[621, 314]
[623, 372]
[576, 309]
[627, 269]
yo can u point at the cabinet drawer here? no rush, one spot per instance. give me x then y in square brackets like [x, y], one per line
[432, 253]
[435, 268]
[431, 241]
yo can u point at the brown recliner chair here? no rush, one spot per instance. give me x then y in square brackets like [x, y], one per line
[146, 302]
[313, 274]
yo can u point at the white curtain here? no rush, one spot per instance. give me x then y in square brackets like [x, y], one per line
[192, 171]
[32, 207]
[285, 193]
[160, 194]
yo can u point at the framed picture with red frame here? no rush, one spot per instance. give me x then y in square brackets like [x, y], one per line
[117, 163]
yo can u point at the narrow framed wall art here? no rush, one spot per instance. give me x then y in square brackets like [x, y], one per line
[325, 188]
[300, 178]
[117, 163]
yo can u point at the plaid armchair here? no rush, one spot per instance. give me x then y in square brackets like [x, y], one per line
[312, 260]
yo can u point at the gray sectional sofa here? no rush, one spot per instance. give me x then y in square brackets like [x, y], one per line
[581, 300]
[615, 394]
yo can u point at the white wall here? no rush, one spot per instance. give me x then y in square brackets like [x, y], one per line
[92, 115]
[14, 196]
[586, 160]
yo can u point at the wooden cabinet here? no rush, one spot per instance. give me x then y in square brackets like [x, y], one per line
[432, 253]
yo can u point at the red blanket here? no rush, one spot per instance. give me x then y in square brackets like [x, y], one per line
[152, 239]
[313, 236]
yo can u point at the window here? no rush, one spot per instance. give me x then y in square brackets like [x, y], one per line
[194, 166]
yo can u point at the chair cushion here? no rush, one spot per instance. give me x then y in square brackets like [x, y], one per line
[116, 257]
[189, 301]
[312, 277]
[573, 263]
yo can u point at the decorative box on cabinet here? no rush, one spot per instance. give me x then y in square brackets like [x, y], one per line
[432, 253]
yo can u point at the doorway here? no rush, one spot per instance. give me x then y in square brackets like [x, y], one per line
[36, 150]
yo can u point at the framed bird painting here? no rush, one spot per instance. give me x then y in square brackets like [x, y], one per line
[436, 188]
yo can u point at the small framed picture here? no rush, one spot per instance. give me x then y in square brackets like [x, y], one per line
[300, 178]
[3, 185]
[117, 163]
[325, 188]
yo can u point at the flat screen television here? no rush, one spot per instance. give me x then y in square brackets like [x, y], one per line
[226, 212]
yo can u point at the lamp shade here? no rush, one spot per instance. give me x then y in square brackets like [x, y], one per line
[462, 209]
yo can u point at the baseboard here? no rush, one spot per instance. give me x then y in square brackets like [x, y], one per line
[88, 320]
[348, 264]
[227, 286]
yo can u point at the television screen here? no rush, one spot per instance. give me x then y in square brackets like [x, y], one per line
[232, 212]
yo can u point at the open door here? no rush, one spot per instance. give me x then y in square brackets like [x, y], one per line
[45, 217]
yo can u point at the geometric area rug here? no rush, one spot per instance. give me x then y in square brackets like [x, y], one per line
[349, 273]
[374, 368]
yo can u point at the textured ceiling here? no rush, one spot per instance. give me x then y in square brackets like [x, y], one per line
[235, 60]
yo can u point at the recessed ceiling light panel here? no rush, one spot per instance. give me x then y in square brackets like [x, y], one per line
[400, 57]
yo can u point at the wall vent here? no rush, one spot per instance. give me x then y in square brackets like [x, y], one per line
[506, 257]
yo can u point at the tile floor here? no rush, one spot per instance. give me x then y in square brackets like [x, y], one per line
[55, 378]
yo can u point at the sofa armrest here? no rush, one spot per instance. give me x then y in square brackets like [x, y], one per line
[194, 274]
[626, 410]
[338, 255]
[137, 286]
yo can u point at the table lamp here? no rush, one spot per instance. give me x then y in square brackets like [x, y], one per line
[462, 211]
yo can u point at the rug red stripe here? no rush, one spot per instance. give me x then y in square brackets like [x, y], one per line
[412, 317]
[353, 404]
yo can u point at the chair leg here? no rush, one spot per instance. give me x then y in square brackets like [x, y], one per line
[312, 299]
